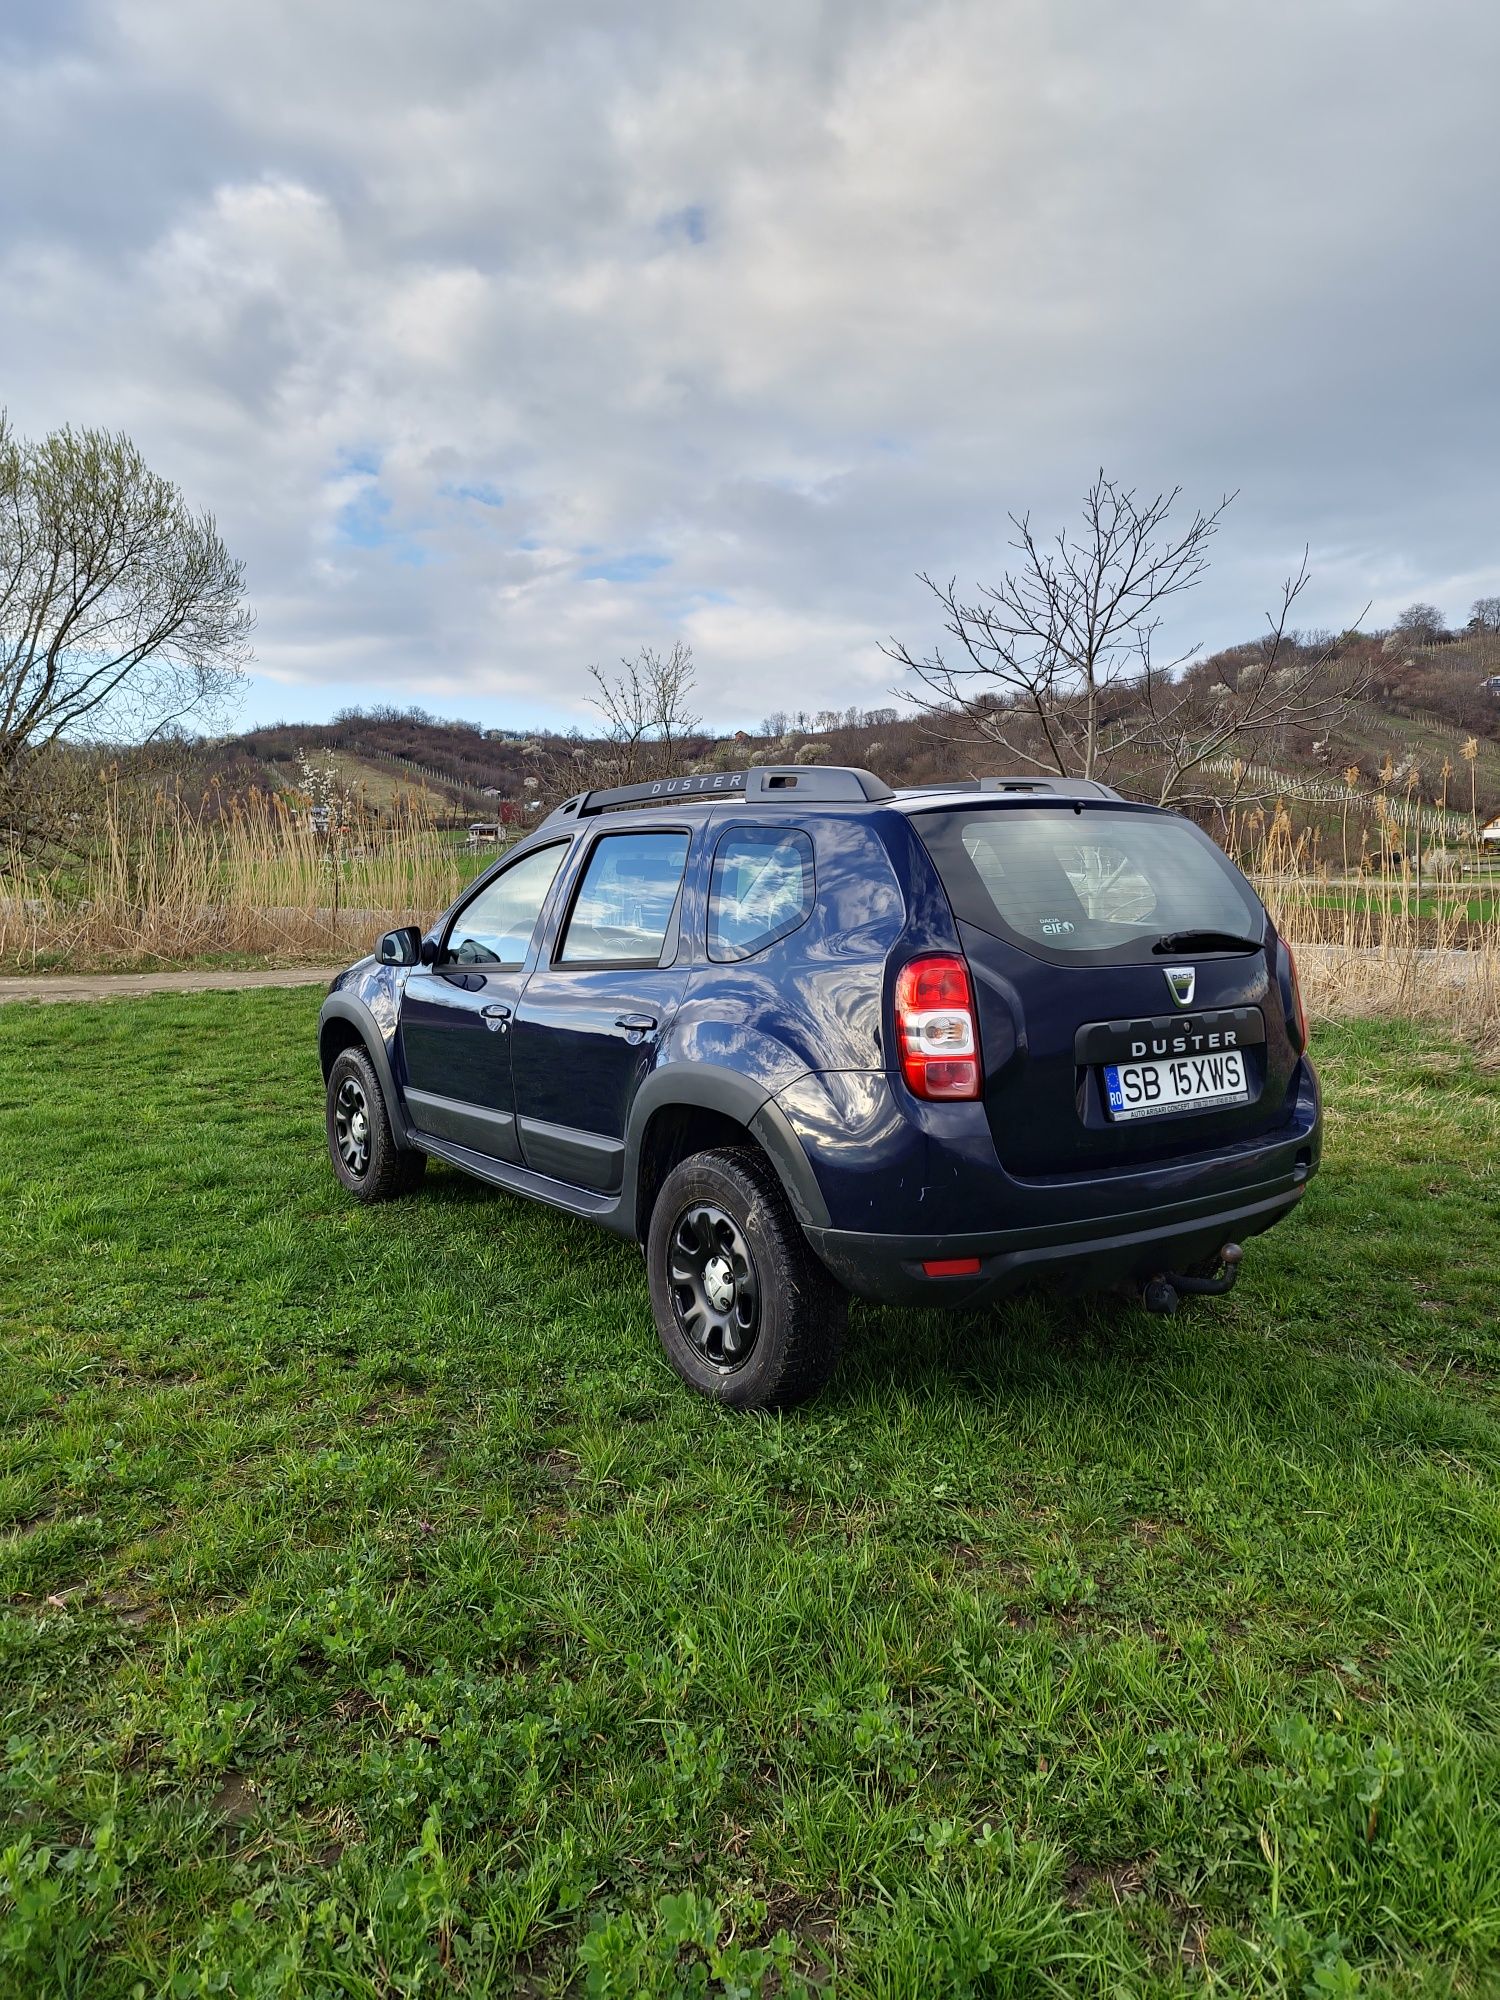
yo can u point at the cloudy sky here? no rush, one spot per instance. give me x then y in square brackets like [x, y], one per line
[503, 337]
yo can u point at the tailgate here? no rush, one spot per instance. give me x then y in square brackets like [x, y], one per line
[1051, 1034]
[1094, 1056]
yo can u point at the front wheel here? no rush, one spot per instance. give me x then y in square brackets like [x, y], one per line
[744, 1309]
[361, 1143]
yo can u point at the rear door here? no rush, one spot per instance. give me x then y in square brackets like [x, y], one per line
[457, 1014]
[1092, 1025]
[591, 1017]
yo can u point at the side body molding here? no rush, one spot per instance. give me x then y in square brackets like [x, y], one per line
[696, 1086]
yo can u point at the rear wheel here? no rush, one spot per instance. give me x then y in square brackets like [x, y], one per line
[745, 1311]
[361, 1144]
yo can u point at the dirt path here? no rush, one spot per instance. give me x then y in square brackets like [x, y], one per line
[133, 985]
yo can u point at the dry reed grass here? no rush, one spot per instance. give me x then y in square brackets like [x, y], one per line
[1458, 991]
[1388, 924]
[164, 883]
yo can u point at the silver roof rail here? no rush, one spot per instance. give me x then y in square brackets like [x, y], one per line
[1044, 788]
[1058, 788]
[830, 784]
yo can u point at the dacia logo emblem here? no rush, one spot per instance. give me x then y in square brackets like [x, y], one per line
[1182, 979]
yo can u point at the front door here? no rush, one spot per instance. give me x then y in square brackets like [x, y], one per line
[589, 1022]
[457, 1015]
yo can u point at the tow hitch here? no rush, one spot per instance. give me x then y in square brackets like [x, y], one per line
[1165, 1292]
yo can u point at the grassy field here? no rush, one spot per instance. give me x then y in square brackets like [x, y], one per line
[1458, 902]
[381, 1617]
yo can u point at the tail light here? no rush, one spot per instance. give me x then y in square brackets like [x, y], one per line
[1300, 1010]
[936, 1029]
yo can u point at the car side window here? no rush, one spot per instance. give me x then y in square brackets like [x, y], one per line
[495, 927]
[624, 907]
[761, 889]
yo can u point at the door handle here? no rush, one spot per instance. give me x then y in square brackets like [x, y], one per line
[495, 1016]
[637, 1024]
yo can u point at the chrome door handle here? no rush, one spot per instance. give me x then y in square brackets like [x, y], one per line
[495, 1016]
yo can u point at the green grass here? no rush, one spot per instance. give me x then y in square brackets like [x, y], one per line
[381, 1616]
[1458, 903]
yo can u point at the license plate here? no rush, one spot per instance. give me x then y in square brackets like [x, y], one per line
[1147, 1089]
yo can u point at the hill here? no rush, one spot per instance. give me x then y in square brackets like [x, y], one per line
[1422, 705]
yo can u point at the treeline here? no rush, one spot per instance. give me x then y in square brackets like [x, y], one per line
[1434, 682]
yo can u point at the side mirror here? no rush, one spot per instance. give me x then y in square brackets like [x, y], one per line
[403, 947]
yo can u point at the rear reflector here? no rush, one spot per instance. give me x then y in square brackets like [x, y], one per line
[936, 1030]
[951, 1267]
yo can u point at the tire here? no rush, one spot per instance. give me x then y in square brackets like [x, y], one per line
[361, 1144]
[746, 1313]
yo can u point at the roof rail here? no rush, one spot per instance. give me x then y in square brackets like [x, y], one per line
[1057, 788]
[832, 783]
[821, 785]
[1061, 788]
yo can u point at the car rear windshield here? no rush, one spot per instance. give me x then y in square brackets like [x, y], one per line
[1096, 885]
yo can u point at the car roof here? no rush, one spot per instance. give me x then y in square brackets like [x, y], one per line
[798, 785]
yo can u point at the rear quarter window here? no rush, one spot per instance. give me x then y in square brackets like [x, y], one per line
[1091, 885]
[760, 891]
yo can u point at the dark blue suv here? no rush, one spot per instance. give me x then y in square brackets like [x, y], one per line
[801, 1036]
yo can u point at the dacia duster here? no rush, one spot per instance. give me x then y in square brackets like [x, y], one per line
[802, 1036]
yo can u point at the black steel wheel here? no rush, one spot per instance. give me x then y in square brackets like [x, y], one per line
[351, 1125]
[361, 1144]
[715, 1287]
[745, 1311]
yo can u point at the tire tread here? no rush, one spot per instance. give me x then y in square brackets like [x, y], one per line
[394, 1170]
[812, 1307]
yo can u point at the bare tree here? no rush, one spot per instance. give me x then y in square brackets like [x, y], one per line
[1422, 624]
[1043, 656]
[121, 610]
[646, 714]
[649, 730]
[1056, 664]
[1484, 614]
[1195, 731]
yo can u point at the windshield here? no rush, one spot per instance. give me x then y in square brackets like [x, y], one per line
[1097, 884]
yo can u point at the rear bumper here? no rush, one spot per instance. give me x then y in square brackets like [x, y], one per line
[1069, 1257]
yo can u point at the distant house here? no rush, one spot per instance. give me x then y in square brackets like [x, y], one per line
[1491, 686]
[490, 792]
[1490, 835]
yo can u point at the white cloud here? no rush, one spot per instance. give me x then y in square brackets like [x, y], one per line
[503, 339]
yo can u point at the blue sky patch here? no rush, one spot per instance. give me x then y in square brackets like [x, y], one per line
[482, 494]
[633, 568]
[362, 520]
[691, 222]
[364, 523]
